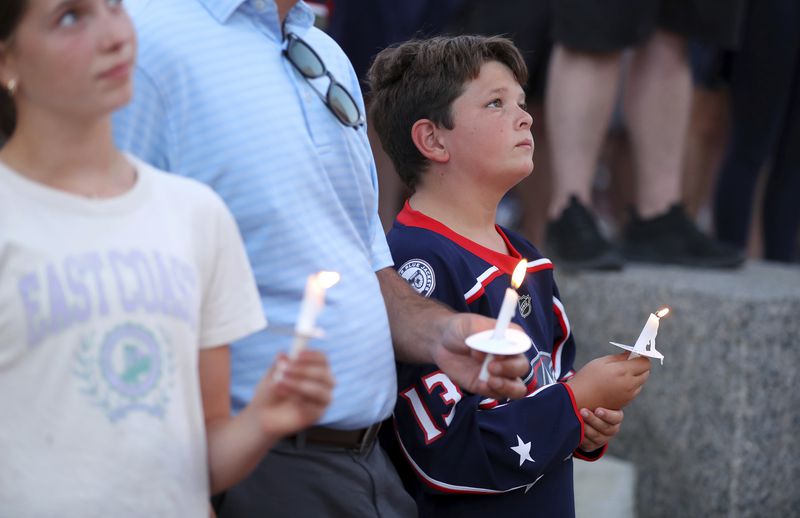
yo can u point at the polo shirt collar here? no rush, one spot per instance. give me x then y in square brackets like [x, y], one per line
[300, 16]
[222, 9]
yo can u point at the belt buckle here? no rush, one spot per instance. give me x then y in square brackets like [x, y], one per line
[368, 439]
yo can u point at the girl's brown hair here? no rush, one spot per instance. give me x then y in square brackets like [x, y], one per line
[11, 12]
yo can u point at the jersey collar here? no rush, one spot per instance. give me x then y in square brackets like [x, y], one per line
[505, 263]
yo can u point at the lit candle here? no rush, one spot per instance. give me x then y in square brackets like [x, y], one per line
[310, 307]
[647, 338]
[507, 311]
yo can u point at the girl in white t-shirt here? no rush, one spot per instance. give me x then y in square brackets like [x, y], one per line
[120, 287]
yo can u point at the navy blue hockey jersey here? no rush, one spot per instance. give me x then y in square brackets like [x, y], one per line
[469, 455]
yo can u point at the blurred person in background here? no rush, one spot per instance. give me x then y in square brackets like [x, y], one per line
[765, 132]
[590, 40]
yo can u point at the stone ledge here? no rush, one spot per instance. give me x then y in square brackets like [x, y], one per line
[714, 433]
[604, 489]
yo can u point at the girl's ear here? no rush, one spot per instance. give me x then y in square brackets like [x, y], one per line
[7, 74]
[425, 135]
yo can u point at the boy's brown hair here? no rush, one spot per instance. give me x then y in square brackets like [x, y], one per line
[420, 79]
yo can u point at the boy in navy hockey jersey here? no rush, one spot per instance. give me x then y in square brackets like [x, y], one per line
[450, 113]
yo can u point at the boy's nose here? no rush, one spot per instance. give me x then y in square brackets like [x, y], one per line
[526, 119]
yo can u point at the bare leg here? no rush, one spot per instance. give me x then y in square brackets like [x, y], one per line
[581, 89]
[658, 96]
[657, 104]
[707, 138]
[619, 195]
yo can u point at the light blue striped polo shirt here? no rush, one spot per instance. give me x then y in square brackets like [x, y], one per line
[216, 100]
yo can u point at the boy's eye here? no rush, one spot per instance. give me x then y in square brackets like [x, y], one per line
[524, 106]
[496, 103]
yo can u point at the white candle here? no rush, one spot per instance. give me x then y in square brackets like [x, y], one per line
[649, 332]
[310, 308]
[507, 310]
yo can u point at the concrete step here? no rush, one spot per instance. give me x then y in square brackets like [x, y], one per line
[604, 488]
[714, 433]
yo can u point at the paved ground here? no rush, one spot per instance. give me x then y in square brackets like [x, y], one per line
[604, 489]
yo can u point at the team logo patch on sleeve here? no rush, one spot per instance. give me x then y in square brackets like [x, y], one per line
[419, 275]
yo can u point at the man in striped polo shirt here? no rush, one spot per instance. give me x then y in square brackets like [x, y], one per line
[250, 98]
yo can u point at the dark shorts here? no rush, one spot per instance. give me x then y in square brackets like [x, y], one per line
[711, 66]
[612, 25]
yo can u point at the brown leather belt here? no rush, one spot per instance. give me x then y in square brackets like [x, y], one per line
[360, 440]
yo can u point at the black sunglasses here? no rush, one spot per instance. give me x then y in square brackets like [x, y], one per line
[310, 65]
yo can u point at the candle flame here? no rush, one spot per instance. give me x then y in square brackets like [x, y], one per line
[327, 279]
[662, 312]
[519, 274]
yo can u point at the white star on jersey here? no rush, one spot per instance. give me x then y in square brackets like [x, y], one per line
[523, 449]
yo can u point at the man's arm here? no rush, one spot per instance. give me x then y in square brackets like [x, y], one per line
[425, 331]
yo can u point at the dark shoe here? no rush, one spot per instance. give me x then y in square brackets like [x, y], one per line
[673, 238]
[574, 241]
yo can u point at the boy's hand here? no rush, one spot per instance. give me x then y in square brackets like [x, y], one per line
[600, 427]
[610, 381]
[294, 393]
[463, 364]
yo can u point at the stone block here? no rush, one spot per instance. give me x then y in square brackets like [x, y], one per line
[715, 430]
[604, 488]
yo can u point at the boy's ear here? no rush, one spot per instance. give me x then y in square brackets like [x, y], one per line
[425, 135]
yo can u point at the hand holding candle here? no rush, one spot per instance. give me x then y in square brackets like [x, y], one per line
[507, 311]
[310, 307]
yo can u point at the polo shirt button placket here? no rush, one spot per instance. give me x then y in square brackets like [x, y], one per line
[260, 5]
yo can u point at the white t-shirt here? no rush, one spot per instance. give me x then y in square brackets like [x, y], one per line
[104, 305]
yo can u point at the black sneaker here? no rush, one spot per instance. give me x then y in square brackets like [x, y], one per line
[574, 241]
[673, 238]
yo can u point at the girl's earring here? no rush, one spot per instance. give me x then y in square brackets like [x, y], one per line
[11, 85]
